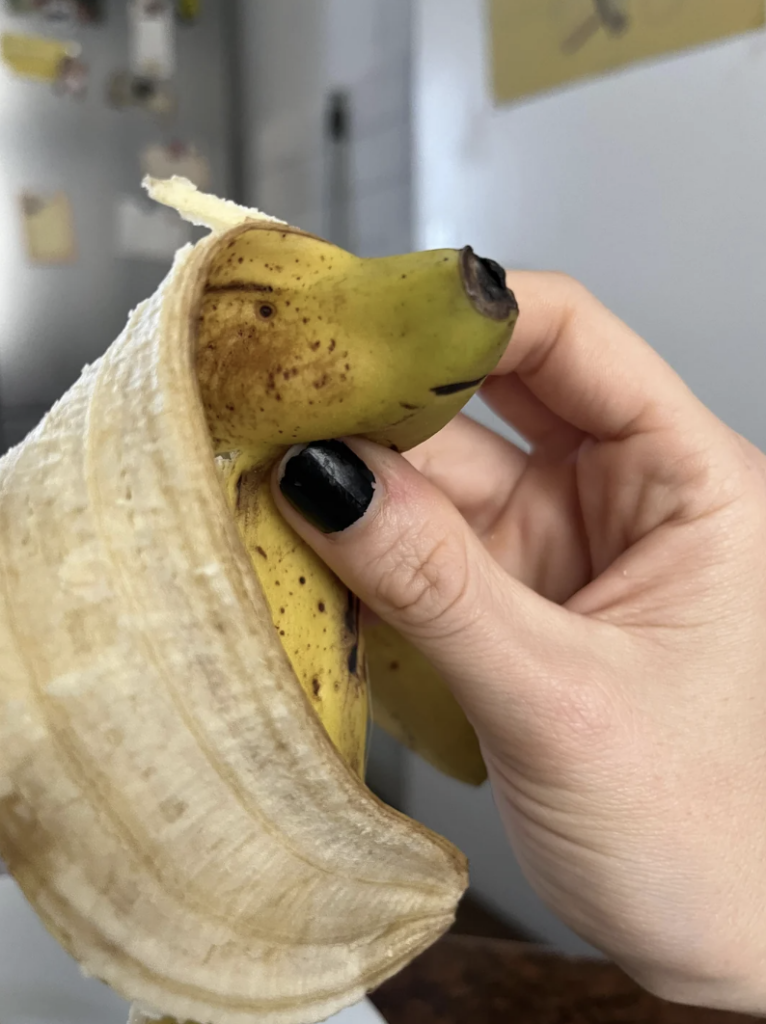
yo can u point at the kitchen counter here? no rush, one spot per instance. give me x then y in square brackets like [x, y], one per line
[470, 980]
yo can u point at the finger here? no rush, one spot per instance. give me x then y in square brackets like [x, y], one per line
[589, 368]
[548, 434]
[403, 548]
[473, 466]
[524, 512]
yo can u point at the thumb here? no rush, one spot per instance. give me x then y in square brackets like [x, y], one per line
[399, 544]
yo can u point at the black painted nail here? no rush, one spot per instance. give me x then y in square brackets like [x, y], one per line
[328, 484]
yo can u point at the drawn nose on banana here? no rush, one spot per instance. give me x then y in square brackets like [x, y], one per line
[299, 341]
[485, 285]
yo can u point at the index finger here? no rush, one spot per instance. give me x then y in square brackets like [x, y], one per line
[586, 365]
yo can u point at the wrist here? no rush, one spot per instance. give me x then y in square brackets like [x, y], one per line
[732, 983]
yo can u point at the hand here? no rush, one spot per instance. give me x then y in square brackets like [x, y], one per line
[598, 607]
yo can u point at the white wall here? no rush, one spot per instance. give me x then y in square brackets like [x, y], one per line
[649, 186]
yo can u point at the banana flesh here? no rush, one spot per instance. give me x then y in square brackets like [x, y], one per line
[172, 802]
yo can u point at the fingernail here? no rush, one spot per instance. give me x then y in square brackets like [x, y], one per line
[328, 484]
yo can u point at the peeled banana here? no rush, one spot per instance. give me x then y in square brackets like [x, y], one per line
[184, 697]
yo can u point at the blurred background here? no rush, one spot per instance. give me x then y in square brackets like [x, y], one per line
[621, 141]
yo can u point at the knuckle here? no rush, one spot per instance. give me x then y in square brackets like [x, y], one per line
[565, 280]
[573, 290]
[424, 580]
[577, 300]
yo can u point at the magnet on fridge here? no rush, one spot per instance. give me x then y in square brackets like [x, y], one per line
[188, 11]
[72, 78]
[22, 6]
[69, 11]
[151, 46]
[177, 158]
[60, 11]
[91, 10]
[126, 90]
[48, 228]
[35, 57]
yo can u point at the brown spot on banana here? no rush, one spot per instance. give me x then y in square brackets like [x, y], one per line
[382, 346]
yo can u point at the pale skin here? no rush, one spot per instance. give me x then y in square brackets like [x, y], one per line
[598, 607]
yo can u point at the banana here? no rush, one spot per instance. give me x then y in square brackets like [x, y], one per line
[317, 618]
[410, 700]
[186, 819]
[386, 348]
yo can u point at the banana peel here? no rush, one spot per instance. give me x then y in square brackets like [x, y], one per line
[170, 802]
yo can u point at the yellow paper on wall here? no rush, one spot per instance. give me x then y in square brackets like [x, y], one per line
[540, 44]
[48, 228]
[36, 57]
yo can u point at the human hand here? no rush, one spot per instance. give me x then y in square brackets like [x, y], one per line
[598, 608]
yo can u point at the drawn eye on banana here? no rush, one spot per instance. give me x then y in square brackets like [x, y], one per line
[185, 688]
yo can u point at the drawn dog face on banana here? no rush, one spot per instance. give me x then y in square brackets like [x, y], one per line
[301, 341]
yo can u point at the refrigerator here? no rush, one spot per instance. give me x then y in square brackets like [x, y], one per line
[91, 149]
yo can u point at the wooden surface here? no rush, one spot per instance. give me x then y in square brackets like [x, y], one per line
[470, 980]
